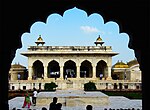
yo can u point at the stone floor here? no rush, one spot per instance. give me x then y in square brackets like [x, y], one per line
[116, 102]
[74, 98]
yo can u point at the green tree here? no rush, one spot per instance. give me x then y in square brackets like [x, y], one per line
[90, 86]
[50, 86]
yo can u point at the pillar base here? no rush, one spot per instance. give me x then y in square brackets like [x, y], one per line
[29, 78]
[108, 78]
[45, 78]
[94, 77]
[60, 78]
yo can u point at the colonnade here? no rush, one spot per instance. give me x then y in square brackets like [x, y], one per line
[106, 74]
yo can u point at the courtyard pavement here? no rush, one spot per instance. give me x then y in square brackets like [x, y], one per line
[116, 102]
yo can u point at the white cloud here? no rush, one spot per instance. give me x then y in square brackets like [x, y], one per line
[88, 29]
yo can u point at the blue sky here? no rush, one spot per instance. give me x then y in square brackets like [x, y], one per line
[76, 28]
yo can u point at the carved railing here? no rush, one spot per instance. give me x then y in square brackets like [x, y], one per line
[70, 48]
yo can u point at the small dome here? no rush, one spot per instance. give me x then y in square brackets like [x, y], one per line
[132, 62]
[40, 40]
[17, 66]
[120, 65]
[99, 41]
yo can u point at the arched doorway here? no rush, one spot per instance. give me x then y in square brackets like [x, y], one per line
[128, 24]
[38, 69]
[86, 69]
[101, 68]
[53, 69]
[70, 69]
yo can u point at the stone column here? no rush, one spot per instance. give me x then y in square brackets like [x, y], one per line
[61, 72]
[45, 72]
[11, 76]
[94, 71]
[109, 73]
[30, 72]
[78, 72]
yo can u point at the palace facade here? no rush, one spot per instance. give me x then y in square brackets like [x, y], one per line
[70, 67]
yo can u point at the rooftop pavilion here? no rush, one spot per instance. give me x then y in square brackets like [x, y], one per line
[41, 49]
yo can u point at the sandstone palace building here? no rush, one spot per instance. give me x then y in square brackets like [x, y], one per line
[70, 67]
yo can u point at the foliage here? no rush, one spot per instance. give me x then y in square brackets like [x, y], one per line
[90, 86]
[50, 86]
[128, 94]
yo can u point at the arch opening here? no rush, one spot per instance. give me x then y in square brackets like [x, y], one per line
[101, 69]
[136, 44]
[69, 69]
[38, 70]
[86, 69]
[53, 69]
[85, 28]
